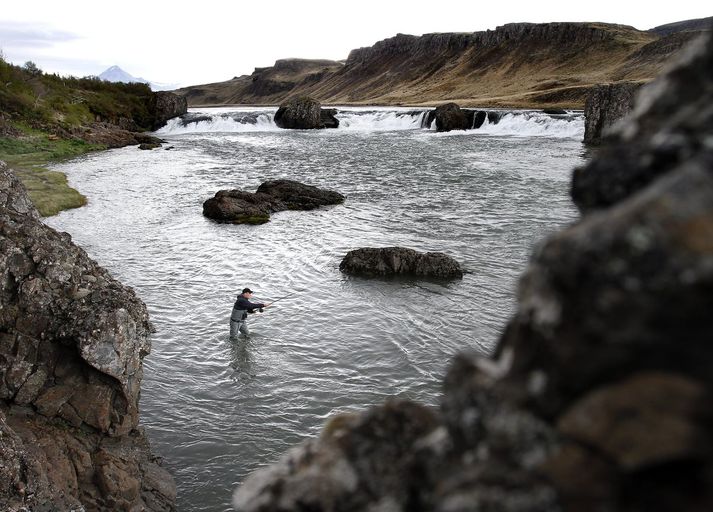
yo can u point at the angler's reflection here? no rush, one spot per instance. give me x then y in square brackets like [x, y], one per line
[241, 358]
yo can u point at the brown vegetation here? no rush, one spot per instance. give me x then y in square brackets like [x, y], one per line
[516, 65]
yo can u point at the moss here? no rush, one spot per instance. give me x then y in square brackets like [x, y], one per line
[251, 219]
[29, 154]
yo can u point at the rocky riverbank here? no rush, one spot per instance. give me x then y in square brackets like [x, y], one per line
[597, 397]
[72, 340]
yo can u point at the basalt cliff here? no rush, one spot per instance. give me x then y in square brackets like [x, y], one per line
[72, 340]
[519, 64]
[597, 398]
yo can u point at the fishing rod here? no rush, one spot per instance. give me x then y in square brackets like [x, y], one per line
[284, 297]
[281, 298]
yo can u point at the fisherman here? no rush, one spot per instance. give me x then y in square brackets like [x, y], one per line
[241, 309]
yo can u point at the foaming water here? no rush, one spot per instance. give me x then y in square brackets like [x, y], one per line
[217, 409]
[246, 119]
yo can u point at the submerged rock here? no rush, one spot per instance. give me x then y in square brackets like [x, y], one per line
[598, 394]
[241, 207]
[72, 340]
[399, 261]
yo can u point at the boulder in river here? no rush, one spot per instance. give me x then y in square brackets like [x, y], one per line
[304, 113]
[72, 341]
[399, 261]
[451, 117]
[598, 394]
[167, 105]
[241, 207]
[606, 104]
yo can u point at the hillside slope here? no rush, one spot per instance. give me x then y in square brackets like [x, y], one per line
[519, 65]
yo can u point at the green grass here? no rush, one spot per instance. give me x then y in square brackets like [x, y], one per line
[29, 154]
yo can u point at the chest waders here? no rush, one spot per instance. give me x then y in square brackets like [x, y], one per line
[238, 322]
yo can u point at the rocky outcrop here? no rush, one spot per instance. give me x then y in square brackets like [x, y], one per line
[598, 394]
[605, 105]
[301, 113]
[241, 207]
[72, 340]
[168, 105]
[399, 261]
[659, 131]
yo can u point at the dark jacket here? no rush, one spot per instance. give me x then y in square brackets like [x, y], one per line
[242, 307]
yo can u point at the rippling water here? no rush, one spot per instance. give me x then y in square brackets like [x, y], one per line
[217, 409]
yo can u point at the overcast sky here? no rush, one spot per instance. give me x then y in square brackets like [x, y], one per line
[204, 41]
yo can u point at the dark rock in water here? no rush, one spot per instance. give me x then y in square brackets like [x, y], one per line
[301, 113]
[292, 195]
[72, 340]
[659, 135]
[598, 394]
[495, 116]
[189, 119]
[241, 207]
[479, 118]
[328, 118]
[144, 138]
[238, 207]
[554, 111]
[605, 105]
[399, 261]
[167, 106]
[149, 145]
[450, 117]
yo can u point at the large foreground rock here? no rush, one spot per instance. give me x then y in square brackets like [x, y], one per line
[305, 113]
[72, 340]
[672, 123]
[598, 395]
[241, 207]
[399, 261]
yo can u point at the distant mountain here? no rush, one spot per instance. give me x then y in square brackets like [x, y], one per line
[116, 74]
[516, 65]
[683, 26]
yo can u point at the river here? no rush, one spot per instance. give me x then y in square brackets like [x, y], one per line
[217, 409]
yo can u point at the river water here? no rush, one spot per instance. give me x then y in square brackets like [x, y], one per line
[217, 409]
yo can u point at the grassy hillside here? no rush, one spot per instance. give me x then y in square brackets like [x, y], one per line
[516, 65]
[46, 118]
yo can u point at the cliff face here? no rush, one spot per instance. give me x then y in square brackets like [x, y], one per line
[598, 395]
[519, 64]
[605, 105]
[72, 340]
